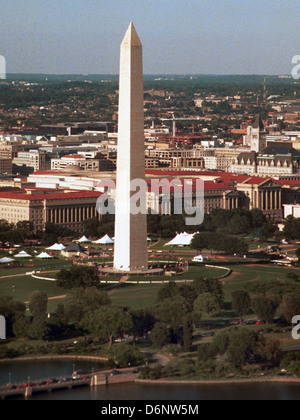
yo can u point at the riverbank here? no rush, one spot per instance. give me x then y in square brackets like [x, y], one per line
[49, 358]
[219, 381]
[163, 381]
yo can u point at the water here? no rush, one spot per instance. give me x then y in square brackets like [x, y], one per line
[17, 372]
[20, 371]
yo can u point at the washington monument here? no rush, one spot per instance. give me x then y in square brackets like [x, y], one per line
[130, 229]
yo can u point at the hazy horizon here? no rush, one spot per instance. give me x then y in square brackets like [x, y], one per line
[182, 37]
[157, 74]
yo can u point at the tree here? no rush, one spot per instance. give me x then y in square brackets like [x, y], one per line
[211, 286]
[201, 241]
[125, 355]
[258, 219]
[142, 322]
[188, 292]
[270, 349]
[160, 335]
[206, 352]
[239, 224]
[83, 300]
[96, 227]
[231, 245]
[288, 228]
[291, 228]
[221, 218]
[241, 303]
[109, 322]
[167, 291]
[268, 231]
[204, 240]
[172, 311]
[169, 225]
[264, 308]
[221, 342]
[38, 329]
[291, 306]
[242, 344]
[21, 326]
[38, 302]
[298, 254]
[187, 334]
[11, 310]
[207, 303]
[77, 276]
[90, 226]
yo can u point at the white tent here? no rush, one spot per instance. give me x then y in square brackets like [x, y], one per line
[181, 239]
[44, 256]
[22, 254]
[56, 247]
[83, 239]
[6, 260]
[104, 241]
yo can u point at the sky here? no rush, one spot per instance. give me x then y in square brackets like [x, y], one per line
[178, 36]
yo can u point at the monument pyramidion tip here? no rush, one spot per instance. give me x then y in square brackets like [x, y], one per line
[131, 37]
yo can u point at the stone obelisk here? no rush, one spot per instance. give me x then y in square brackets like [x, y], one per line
[130, 229]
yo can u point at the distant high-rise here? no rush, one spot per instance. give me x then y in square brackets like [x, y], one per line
[130, 229]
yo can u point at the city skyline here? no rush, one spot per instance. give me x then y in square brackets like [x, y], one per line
[191, 37]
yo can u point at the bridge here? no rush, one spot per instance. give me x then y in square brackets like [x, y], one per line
[91, 379]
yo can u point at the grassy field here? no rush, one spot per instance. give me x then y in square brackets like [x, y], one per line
[20, 287]
[245, 274]
[15, 283]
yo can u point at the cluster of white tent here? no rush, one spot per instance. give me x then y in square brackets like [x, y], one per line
[42, 255]
[102, 241]
[181, 239]
[106, 240]
[24, 254]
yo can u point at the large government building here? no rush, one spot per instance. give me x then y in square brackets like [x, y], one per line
[69, 198]
[66, 208]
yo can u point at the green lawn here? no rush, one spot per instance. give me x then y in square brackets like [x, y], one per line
[14, 282]
[135, 296]
[144, 295]
[21, 287]
[246, 274]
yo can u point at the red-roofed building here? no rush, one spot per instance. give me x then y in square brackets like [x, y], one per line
[66, 208]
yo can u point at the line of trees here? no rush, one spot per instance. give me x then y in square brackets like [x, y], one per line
[219, 242]
[265, 306]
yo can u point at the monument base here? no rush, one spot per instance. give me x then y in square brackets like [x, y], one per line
[114, 272]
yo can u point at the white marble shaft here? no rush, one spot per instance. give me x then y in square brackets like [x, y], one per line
[130, 230]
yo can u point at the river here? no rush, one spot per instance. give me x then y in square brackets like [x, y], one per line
[18, 372]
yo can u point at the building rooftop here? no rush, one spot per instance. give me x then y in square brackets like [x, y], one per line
[40, 195]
